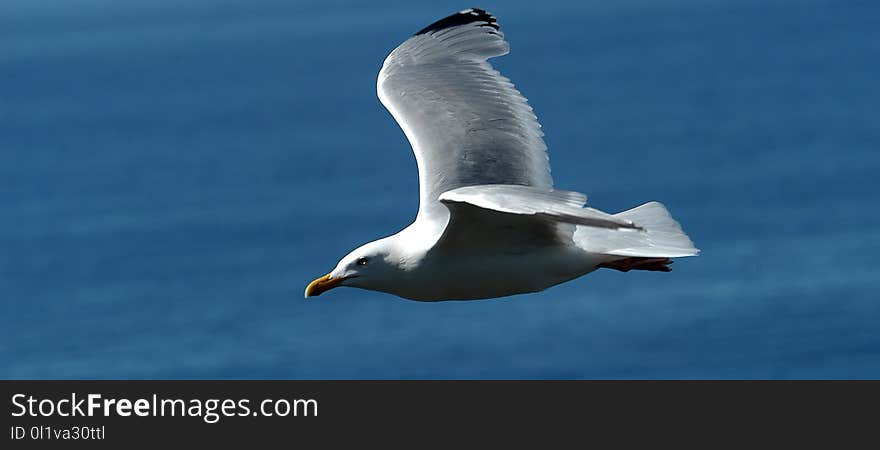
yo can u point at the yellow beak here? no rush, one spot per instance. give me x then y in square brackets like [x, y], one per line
[322, 284]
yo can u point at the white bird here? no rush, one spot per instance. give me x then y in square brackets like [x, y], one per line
[489, 223]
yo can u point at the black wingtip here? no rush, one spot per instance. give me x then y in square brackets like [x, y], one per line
[462, 18]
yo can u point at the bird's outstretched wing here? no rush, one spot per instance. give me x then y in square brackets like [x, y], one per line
[466, 123]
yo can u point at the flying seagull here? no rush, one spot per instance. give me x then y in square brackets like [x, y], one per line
[490, 224]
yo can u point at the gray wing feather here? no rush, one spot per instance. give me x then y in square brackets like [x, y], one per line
[517, 219]
[555, 206]
[467, 124]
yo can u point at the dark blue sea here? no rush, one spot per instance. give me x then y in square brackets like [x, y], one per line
[173, 173]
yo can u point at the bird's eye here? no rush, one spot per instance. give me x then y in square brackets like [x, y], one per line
[362, 261]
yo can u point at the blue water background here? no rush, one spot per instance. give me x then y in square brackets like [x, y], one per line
[173, 173]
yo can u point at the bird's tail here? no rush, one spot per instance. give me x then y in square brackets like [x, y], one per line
[660, 237]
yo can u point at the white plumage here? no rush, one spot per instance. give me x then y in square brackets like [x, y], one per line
[490, 223]
[467, 124]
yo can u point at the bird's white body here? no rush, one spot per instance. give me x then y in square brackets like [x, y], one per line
[472, 276]
[490, 269]
[490, 223]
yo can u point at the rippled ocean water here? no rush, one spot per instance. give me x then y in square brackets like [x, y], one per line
[172, 174]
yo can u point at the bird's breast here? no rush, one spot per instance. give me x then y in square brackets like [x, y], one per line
[472, 276]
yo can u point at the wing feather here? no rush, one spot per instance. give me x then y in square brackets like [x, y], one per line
[467, 124]
[551, 205]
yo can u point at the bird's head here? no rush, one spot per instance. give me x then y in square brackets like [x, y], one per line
[371, 266]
